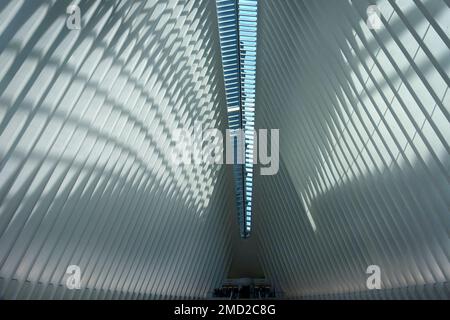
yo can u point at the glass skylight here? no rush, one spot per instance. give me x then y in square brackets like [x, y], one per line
[237, 30]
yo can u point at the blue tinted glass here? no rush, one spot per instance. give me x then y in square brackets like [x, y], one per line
[237, 30]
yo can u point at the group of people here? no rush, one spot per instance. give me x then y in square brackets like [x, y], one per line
[244, 292]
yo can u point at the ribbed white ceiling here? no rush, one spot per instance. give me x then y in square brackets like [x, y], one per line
[86, 177]
[364, 147]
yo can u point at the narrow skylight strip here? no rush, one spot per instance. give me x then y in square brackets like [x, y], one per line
[237, 31]
[227, 13]
[247, 26]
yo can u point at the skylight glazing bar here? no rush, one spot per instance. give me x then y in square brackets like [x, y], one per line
[247, 26]
[227, 14]
[237, 30]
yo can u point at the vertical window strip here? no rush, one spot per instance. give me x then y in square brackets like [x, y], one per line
[247, 26]
[237, 30]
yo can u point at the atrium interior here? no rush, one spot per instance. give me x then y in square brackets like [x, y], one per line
[333, 116]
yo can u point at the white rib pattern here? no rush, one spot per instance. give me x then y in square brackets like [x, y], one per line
[86, 177]
[364, 146]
